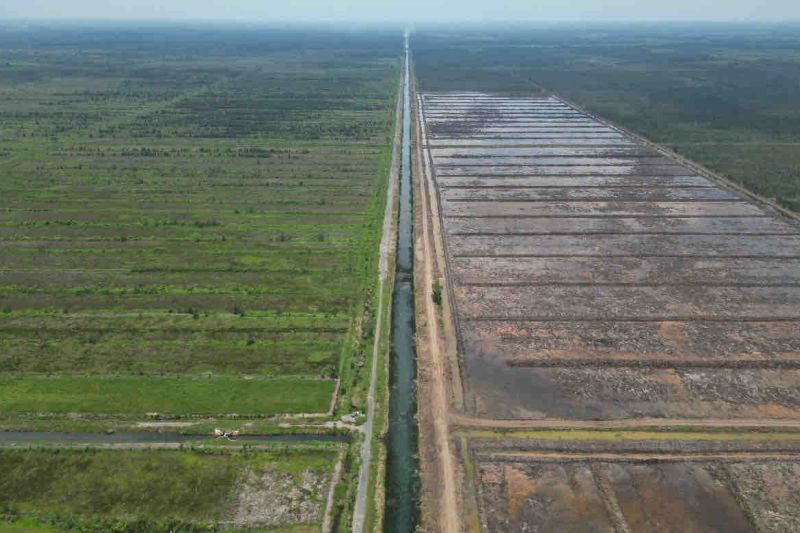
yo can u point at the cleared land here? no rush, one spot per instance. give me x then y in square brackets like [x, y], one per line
[593, 278]
[189, 229]
[645, 495]
[555, 282]
[166, 490]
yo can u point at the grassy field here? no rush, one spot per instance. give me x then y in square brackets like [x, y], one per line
[189, 226]
[192, 205]
[25, 525]
[132, 395]
[723, 95]
[211, 490]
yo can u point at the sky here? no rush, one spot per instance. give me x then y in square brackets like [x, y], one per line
[404, 10]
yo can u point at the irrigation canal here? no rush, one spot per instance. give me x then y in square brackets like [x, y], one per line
[401, 478]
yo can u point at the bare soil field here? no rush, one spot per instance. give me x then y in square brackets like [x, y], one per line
[593, 278]
[640, 496]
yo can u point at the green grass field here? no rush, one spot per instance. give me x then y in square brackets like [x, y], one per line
[132, 395]
[25, 525]
[189, 228]
[195, 205]
[724, 95]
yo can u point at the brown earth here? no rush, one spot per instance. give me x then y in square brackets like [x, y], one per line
[592, 280]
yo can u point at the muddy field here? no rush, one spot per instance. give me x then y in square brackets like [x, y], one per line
[637, 482]
[594, 277]
[675, 495]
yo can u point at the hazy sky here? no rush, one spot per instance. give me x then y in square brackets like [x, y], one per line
[407, 10]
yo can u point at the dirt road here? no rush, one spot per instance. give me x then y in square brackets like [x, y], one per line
[448, 518]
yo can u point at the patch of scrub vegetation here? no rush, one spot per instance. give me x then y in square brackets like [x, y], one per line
[167, 490]
[724, 95]
[184, 209]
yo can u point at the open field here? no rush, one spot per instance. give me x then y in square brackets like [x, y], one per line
[188, 214]
[134, 395]
[567, 271]
[593, 278]
[723, 95]
[151, 490]
[190, 221]
[639, 480]
[672, 495]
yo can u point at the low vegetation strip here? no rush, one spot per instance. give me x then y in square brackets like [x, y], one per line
[175, 396]
[199, 490]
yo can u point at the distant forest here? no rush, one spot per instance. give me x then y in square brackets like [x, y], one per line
[726, 96]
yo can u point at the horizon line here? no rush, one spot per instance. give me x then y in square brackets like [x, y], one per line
[396, 21]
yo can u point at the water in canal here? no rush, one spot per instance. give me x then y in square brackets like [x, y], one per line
[402, 511]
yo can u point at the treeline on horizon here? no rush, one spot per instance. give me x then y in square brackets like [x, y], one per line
[725, 95]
